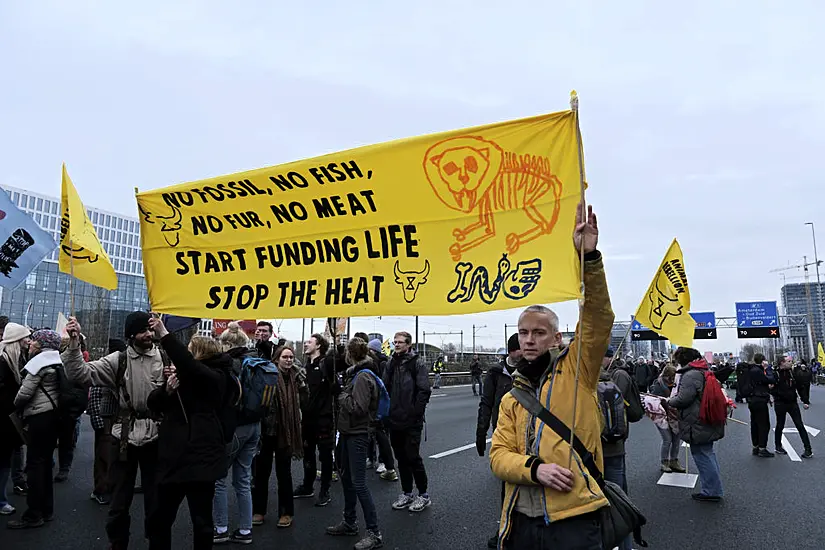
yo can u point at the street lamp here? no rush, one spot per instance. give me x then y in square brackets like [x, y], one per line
[818, 282]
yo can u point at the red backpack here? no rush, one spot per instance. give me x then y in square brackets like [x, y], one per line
[713, 410]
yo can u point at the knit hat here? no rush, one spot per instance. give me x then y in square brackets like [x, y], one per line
[15, 333]
[48, 339]
[512, 343]
[375, 345]
[136, 322]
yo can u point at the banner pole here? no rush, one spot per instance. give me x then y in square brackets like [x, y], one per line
[574, 106]
[71, 277]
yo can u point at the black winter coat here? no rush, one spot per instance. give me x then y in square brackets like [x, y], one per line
[787, 387]
[760, 380]
[190, 437]
[496, 384]
[379, 363]
[321, 382]
[409, 388]
[9, 438]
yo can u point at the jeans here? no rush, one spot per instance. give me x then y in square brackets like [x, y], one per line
[122, 476]
[318, 434]
[18, 466]
[760, 423]
[353, 456]
[241, 452]
[66, 443]
[477, 380]
[263, 470]
[5, 474]
[437, 380]
[382, 440]
[199, 496]
[42, 440]
[614, 470]
[705, 458]
[576, 533]
[791, 409]
[407, 444]
[670, 444]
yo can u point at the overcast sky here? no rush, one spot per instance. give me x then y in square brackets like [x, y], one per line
[702, 121]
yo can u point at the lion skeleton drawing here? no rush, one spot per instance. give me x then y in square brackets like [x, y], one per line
[471, 174]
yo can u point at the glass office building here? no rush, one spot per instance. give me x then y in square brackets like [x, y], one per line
[45, 293]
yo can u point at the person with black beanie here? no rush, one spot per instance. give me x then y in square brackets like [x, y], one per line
[497, 383]
[133, 375]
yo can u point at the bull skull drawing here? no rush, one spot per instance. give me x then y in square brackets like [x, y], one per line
[170, 225]
[410, 281]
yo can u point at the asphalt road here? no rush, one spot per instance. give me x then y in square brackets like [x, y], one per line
[769, 503]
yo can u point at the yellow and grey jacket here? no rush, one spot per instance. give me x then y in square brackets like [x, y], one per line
[521, 442]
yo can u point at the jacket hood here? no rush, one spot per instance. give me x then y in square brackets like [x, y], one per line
[238, 353]
[222, 362]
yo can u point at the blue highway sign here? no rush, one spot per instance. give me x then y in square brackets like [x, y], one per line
[757, 320]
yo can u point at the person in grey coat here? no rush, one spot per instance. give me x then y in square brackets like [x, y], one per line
[37, 398]
[700, 436]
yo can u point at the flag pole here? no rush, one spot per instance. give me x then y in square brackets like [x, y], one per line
[574, 106]
[71, 276]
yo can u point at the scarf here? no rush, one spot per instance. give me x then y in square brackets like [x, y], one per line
[288, 413]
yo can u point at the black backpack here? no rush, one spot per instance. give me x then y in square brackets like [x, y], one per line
[744, 384]
[72, 399]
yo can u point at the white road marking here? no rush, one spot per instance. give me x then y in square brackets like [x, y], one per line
[438, 395]
[457, 450]
[813, 431]
[791, 451]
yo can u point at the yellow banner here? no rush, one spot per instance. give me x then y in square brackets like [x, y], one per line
[666, 304]
[459, 222]
[81, 253]
[820, 354]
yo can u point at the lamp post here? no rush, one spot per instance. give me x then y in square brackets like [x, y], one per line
[818, 314]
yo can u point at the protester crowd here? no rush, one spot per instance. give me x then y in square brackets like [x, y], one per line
[196, 417]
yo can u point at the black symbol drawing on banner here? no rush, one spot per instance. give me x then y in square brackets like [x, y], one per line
[11, 250]
[515, 283]
[88, 232]
[170, 225]
[411, 281]
[665, 301]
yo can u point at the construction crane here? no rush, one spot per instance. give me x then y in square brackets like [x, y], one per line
[804, 265]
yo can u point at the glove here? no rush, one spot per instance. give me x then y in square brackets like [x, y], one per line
[481, 444]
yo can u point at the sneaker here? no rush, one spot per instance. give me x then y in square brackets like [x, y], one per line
[61, 477]
[380, 468]
[303, 492]
[404, 501]
[343, 529]
[808, 454]
[765, 453]
[48, 517]
[104, 500]
[420, 504]
[676, 467]
[372, 540]
[238, 538]
[705, 498]
[257, 519]
[25, 523]
[7, 510]
[21, 489]
[220, 538]
[335, 477]
[323, 499]
[755, 451]
[370, 464]
[284, 522]
[666, 467]
[781, 451]
[389, 475]
[493, 541]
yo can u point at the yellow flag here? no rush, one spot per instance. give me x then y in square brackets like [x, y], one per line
[81, 253]
[386, 348]
[459, 222]
[820, 354]
[665, 306]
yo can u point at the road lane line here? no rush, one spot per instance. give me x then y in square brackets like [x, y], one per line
[457, 450]
[791, 451]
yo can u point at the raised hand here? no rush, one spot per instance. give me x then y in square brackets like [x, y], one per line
[586, 234]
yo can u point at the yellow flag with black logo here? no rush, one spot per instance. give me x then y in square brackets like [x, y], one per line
[386, 347]
[81, 253]
[820, 355]
[666, 304]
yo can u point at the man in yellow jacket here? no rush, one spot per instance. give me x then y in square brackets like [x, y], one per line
[547, 505]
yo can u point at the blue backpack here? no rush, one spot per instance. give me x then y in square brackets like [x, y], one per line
[383, 396]
[257, 381]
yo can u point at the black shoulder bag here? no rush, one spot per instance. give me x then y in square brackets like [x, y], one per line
[622, 517]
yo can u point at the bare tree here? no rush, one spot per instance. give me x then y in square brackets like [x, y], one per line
[749, 350]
